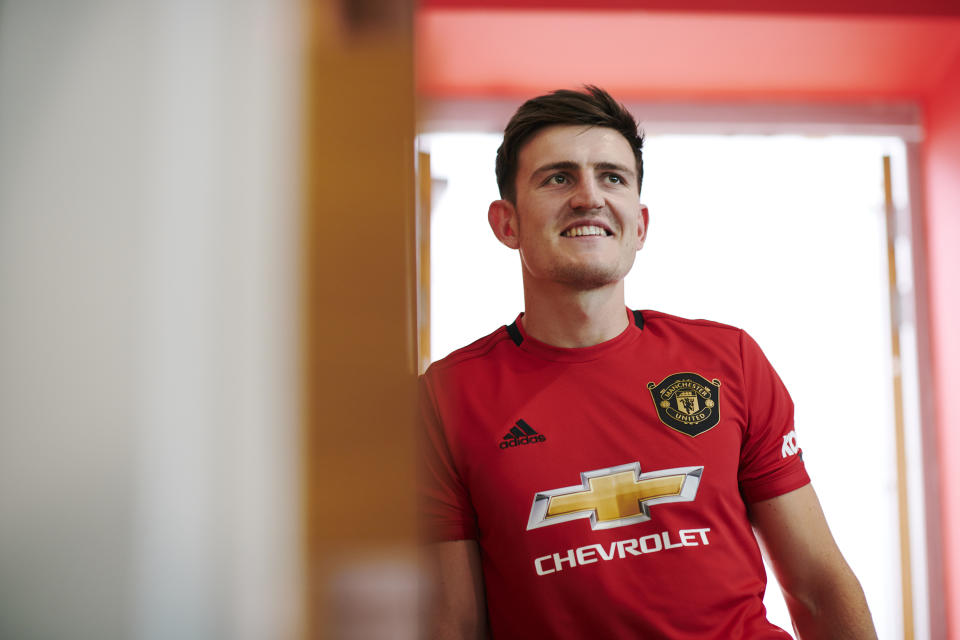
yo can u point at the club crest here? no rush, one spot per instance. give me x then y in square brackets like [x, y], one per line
[687, 402]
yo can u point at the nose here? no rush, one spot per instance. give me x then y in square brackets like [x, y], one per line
[586, 196]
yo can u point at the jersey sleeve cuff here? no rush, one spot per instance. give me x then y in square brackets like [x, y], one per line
[767, 488]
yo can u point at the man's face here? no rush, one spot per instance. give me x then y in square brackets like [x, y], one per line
[577, 220]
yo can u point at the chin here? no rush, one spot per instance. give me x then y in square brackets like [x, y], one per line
[585, 278]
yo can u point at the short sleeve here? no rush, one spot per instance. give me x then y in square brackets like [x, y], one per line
[446, 512]
[771, 464]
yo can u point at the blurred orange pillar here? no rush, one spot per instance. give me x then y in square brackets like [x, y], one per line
[359, 319]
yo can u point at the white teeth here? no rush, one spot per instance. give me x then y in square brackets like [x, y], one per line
[585, 231]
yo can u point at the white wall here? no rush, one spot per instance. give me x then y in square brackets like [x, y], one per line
[148, 327]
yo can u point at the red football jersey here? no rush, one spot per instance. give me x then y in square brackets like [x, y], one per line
[606, 485]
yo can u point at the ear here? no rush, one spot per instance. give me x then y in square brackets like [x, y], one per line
[642, 225]
[502, 216]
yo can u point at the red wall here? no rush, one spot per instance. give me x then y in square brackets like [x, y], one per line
[942, 163]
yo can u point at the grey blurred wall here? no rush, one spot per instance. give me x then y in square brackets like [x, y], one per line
[148, 319]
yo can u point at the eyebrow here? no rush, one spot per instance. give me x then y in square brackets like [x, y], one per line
[568, 165]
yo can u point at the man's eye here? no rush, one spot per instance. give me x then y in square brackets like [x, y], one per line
[612, 177]
[557, 179]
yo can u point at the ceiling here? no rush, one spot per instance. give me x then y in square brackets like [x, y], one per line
[861, 7]
[798, 50]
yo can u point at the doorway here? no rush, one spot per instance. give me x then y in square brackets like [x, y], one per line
[790, 231]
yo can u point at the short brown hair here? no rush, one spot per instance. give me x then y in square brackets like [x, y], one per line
[592, 107]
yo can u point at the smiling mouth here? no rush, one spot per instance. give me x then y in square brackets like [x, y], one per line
[586, 230]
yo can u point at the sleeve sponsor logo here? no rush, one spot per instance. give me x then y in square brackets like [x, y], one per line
[615, 496]
[687, 402]
[789, 447]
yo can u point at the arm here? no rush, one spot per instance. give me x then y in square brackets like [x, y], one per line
[457, 608]
[823, 595]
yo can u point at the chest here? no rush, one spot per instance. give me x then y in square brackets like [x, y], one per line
[610, 430]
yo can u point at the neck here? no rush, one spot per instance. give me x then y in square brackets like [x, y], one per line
[570, 318]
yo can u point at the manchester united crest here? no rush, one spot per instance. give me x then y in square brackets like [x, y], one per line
[687, 402]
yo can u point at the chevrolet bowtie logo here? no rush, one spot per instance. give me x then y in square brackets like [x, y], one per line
[614, 497]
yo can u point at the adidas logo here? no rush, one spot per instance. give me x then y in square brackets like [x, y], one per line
[522, 433]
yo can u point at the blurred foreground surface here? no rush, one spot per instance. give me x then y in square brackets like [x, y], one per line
[148, 257]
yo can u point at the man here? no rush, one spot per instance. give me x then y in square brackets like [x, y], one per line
[596, 472]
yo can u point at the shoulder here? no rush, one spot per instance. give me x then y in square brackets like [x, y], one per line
[683, 335]
[663, 323]
[474, 354]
